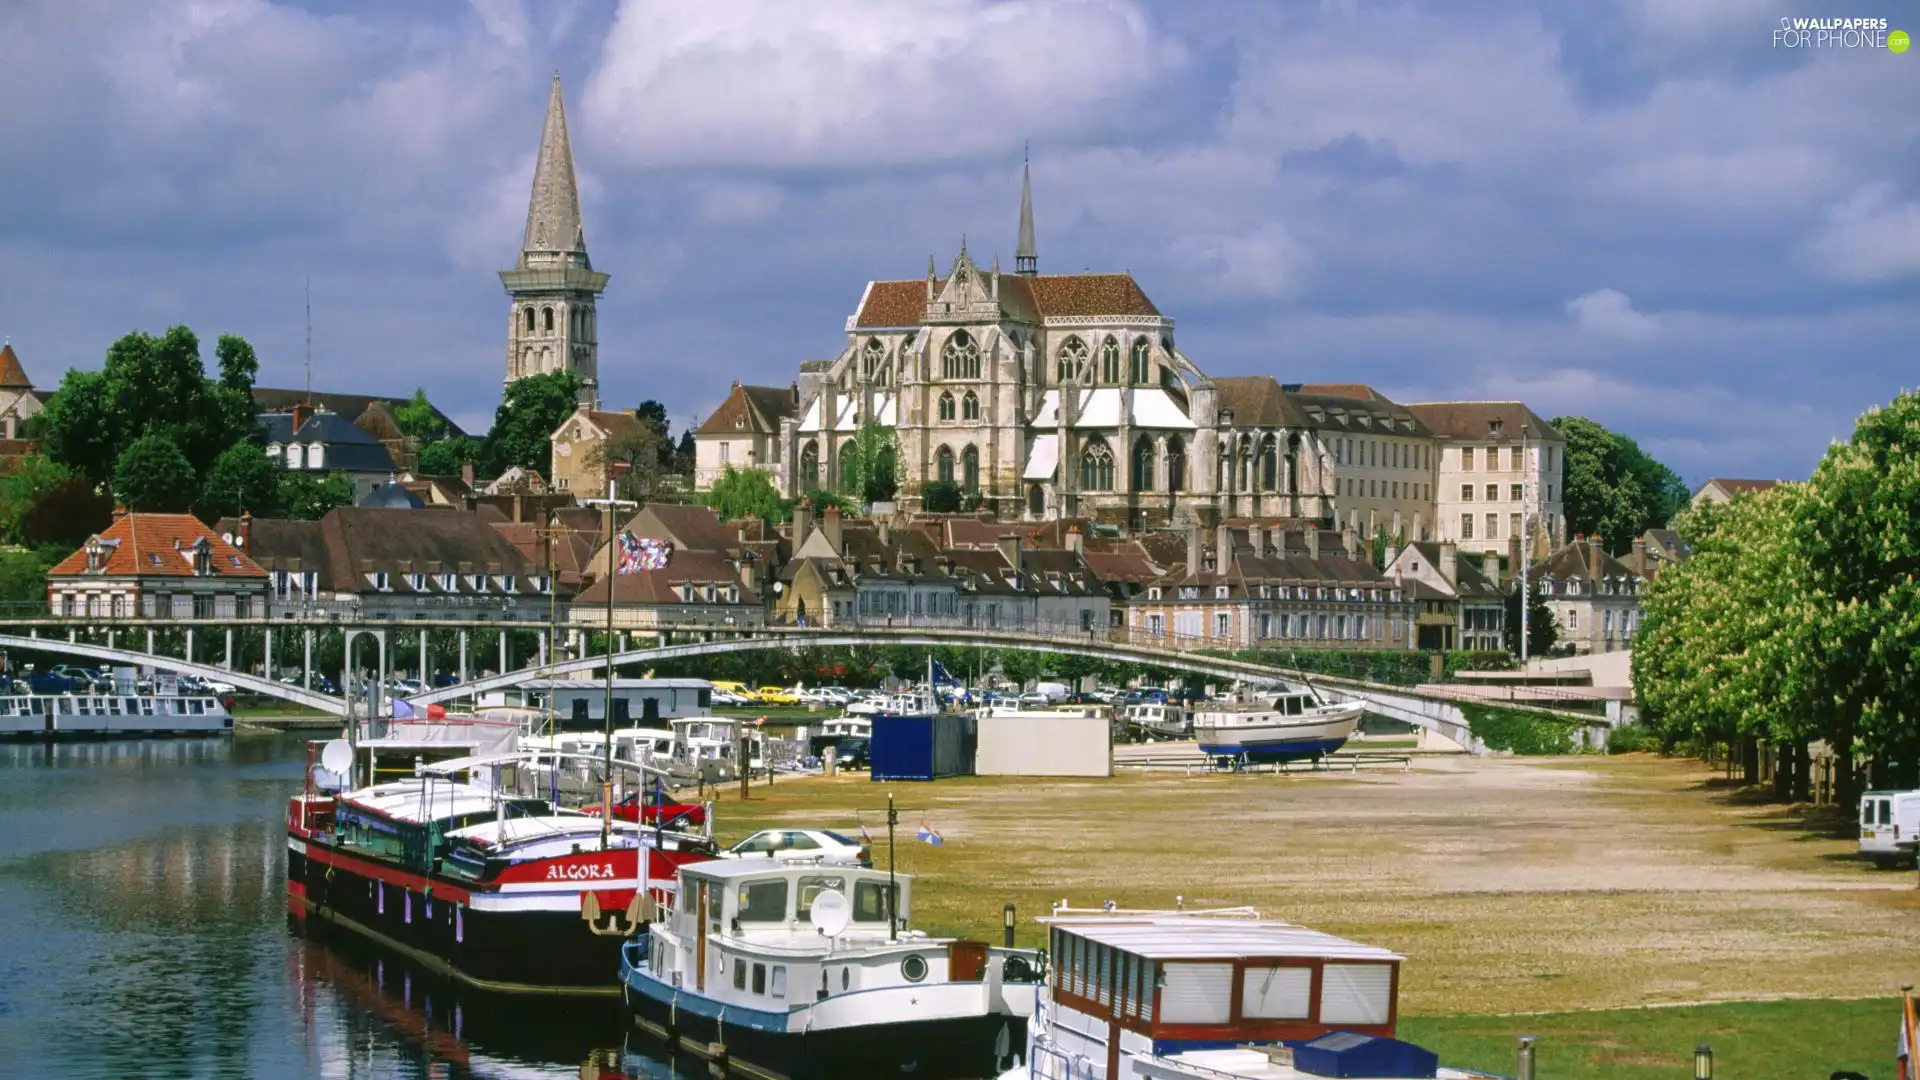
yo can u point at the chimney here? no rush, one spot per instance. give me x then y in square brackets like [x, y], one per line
[1193, 548]
[830, 524]
[1222, 548]
[802, 521]
[1257, 536]
[1593, 558]
[1640, 554]
[1393, 552]
[466, 474]
[1490, 566]
[1010, 549]
[1450, 563]
[1312, 536]
[119, 511]
[1074, 542]
[246, 532]
[301, 414]
[1350, 539]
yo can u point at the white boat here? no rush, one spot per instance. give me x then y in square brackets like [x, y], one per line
[111, 716]
[1158, 719]
[796, 971]
[1271, 730]
[1213, 995]
[705, 749]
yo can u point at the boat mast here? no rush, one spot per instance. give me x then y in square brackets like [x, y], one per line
[606, 784]
[893, 887]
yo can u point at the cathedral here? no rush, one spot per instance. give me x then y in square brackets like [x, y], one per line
[1051, 395]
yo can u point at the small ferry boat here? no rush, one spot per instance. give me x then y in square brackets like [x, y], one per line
[1158, 719]
[461, 869]
[1213, 995]
[787, 970]
[841, 727]
[112, 716]
[1275, 729]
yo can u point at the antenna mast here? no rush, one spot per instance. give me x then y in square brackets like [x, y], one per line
[309, 340]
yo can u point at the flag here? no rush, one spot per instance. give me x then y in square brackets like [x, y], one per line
[865, 836]
[929, 836]
[940, 675]
[402, 709]
[638, 554]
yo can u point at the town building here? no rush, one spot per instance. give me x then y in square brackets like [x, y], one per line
[1272, 589]
[358, 564]
[744, 432]
[157, 566]
[1381, 459]
[552, 323]
[1720, 489]
[318, 442]
[580, 456]
[18, 399]
[1492, 455]
[685, 569]
[1461, 602]
[1654, 551]
[1594, 597]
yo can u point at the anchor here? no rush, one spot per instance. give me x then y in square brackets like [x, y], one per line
[640, 911]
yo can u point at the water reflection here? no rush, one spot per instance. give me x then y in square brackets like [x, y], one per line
[143, 932]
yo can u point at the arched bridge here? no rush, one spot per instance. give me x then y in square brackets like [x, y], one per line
[1441, 715]
[252, 684]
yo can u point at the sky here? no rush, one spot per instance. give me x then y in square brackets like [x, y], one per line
[1642, 211]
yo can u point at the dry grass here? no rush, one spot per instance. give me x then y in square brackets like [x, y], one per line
[1512, 885]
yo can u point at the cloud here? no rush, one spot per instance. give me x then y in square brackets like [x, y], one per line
[850, 85]
[1266, 263]
[1610, 312]
[1869, 236]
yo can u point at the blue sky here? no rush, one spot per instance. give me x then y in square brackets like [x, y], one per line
[1638, 211]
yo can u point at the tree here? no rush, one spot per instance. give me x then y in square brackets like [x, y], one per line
[533, 409]
[746, 493]
[638, 451]
[683, 455]
[1017, 665]
[419, 420]
[822, 500]
[241, 480]
[23, 575]
[306, 497]
[22, 489]
[446, 457]
[1612, 488]
[871, 463]
[1542, 632]
[940, 497]
[154, 475]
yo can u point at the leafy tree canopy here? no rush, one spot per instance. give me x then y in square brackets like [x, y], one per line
[746, 493]
[419, 420]
[940, 497]
[241, 480]
[1542, 632]
[446, 457]
[154, 475]
[533, 408]
[640, 458]
[1612, 487]
[306, 497]
[870, 463]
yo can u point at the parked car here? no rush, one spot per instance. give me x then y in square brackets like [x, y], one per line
[801, 844]
[727, 699]
[1033, 699]
[839, 695]
[774, 695]
[670, 815]
[739, 690]
[218, 688]
[852, 752]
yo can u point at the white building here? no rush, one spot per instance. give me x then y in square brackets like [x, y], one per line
[1490, 454]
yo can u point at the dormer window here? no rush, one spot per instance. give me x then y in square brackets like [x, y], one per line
[733, 594]
[450, 583]
[686, 594]
[1191, 592]
[1153, 593]
[417, 582]
[1219, 592]
[316, 456]
[96, 556]
[381, 581]
[542, 583]
[202, 557]
[507, 583]
[1394, 595]
[479, 582]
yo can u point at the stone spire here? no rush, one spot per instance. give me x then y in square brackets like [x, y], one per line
[554, 234]
[1026, 256]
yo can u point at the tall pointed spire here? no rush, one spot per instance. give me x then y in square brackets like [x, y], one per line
[1026, 256]
[554, 233]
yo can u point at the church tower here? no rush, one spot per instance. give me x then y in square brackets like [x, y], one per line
[552, 324]
[1026, 256]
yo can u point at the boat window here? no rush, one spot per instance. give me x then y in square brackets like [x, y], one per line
[714, 895]
[760, 978]
[763, 901]
[1276, 993]
[779, 985]
[1355, 993]
[813, 885]
[739, 974]
[870, 901]
[1149, 982]
[1294, 705]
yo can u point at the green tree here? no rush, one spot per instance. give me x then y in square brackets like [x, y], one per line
[306, 497]
[683, 455]
[870, 462]
[421, 421]
[533, 408]
[1612, 488]
[22, 489]
[23, 575]
[746, 493]
[940, 497]
[1542, 632]
[154, 475]
[637, 453]
[243, 479]
[821, 499]
[446, 457]
[1018, 665]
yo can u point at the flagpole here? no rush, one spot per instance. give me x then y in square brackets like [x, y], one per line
[893, 888]
[606, 820]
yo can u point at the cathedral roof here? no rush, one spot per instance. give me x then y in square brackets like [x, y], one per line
[1475, 419]
[1039, 296]
[12, 375]
[1257, 401]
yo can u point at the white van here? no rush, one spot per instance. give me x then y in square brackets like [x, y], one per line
[1890, 826]
[1053, 691]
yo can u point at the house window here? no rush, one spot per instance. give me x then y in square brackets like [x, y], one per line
[1070, 361]
[380, 580]
[944, 465]
[1493, 526]
[1513, 524]
[293, 455]
[417, 582]
[1096, 468]
[203, 606]
[1513, 492]
[810, 465]
[726, 452]
[1466, 492]
[242, 606]
[1109, 361]
[1493, 492]
[970, 464]
[479, 583]
[316, 456]
[1141, 352]
[1466, 526]
[960, 359]
[1516, 460]
[1573, 618]
[1222, 624]
[1466, 459]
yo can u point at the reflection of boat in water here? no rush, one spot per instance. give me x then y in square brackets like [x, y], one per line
[445, 1023]
[1276, 729]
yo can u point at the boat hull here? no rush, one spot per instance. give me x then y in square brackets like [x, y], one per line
[765, 1045]
[1277, 740]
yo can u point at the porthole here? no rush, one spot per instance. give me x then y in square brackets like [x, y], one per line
[846, 977]
[913, 968]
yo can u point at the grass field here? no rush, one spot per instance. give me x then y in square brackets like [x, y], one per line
[1516, 885]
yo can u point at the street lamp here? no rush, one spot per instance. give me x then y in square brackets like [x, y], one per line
[1703, 1062]
[1524, 1058]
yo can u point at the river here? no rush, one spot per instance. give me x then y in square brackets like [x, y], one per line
[144, 933]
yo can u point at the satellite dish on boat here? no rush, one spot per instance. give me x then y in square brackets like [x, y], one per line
[830, 913]
[337, 757]
[325, 779]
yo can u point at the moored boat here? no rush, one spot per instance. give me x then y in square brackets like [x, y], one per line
[1275, 729]
[112, 716]
[794, 970]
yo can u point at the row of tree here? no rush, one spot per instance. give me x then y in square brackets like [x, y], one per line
[1797, 616]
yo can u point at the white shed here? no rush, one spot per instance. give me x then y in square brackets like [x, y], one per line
[1045, 742]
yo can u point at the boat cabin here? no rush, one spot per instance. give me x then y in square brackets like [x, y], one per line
[581, 704]
[1160, 983]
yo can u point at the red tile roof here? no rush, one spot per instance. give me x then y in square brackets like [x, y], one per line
[12, 375]
[1473, 420]
[904, 303]
[757, 409]
[159, 544]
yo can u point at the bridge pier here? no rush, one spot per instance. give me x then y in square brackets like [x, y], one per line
[306, 663]
[426, 677]
[229, 661]
[503, 652]
[463, 654]
[189, 644]
[70, 635]
[543, 652]
[269, 661]
[109, 638]
[149, 641]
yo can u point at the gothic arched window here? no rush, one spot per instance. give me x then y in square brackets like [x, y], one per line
[528, 320]
[943, 465]
[970, 468]
[970, 406]
[1070, 361]
[1110, 361]
[1141, 362]
[946, 406]
[1096, 468]
[1143, 463]
[1269, 465]
[961, 358]
[870, 357]
[810, 465]
[1176, 464]
[546, 320]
